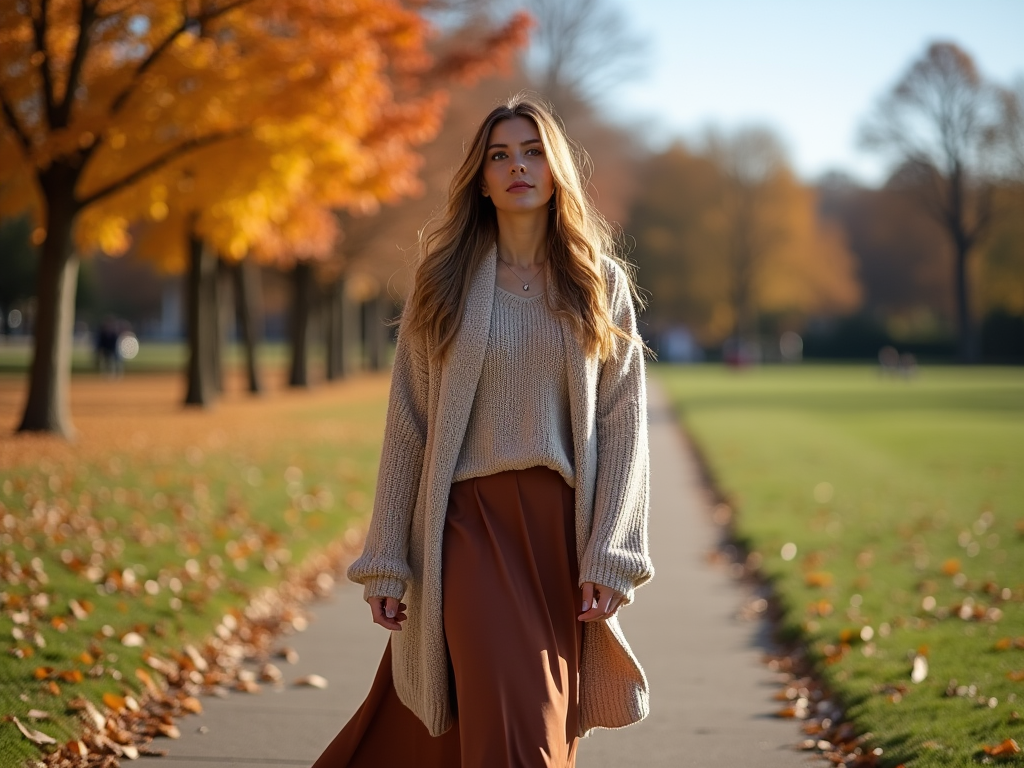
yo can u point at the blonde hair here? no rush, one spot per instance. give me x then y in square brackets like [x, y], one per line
[465, 232]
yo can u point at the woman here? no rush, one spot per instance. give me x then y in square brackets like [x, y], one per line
[511, 506]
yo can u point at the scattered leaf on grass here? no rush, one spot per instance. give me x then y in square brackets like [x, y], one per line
[71, 676]
[115, 702]
[1016, 675]
[818, 579]
[80, 610]
[38, 714]
[36, 737]
[133, 640]
[1005, 749]
[313, 681]
[920, 669]
[951, 567]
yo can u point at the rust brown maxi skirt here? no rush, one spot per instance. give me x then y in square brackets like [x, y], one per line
[511, 598]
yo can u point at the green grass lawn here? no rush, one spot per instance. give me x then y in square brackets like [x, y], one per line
[161, 528]
[153, 356]
[889, 514]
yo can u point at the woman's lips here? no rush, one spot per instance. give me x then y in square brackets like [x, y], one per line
[519, 185]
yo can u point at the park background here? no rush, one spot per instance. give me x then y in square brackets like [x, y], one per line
[235, 191]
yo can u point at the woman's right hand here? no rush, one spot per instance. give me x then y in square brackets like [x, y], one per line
[388, 612]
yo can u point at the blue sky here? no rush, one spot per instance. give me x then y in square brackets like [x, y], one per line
[810, 69]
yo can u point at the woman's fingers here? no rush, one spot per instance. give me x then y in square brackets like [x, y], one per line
[380, 607]
[588, 596]
[599, 602]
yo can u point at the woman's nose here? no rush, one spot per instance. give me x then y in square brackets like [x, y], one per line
[518, 168]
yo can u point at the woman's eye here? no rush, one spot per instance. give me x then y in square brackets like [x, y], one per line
[498, 156]
[533, 151]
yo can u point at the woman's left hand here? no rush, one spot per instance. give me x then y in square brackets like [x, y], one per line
[599, 602]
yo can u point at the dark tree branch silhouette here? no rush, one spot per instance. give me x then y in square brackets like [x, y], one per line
[941, 125]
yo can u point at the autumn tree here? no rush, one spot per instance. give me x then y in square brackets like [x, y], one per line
[903, 257]
[113, 108]
[722, 238]
[940, 125]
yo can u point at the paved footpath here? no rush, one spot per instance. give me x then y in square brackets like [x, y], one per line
[711, 704]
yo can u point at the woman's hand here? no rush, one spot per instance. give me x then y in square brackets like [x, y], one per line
[599, 602]
[388, 612]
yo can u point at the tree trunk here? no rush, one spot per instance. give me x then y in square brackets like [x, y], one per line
[47, 408]
[249, 303]
[220, 322]
[302, 281]
[376, 330]
[201, 290]
[335, 346]
[968, 342]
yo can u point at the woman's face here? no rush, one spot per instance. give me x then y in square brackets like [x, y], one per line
[516, 175]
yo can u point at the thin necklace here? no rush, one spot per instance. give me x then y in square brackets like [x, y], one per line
[526, 283]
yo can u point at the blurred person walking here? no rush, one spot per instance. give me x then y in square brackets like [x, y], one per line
[510, 518]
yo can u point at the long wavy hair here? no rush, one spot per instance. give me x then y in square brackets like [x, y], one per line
[457, 240]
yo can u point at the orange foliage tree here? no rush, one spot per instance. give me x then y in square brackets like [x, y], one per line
[727, 235]
[212, 115]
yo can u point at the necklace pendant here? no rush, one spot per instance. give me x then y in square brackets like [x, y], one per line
[526, 287]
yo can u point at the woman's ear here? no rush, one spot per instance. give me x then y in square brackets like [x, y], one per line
[483, 189]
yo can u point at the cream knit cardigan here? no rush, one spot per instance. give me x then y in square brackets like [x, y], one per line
[428, 412]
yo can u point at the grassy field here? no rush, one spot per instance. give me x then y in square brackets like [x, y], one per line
[889, 514]
[153, 356]
[158, 521]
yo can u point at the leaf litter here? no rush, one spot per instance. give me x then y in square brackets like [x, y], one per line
[48, 514]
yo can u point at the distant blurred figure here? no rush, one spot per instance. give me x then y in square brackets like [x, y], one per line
[108, 356]
[908, 365]
[740, 353]
[895, 364]
[791, 347]
[889, 359]
[677, 345]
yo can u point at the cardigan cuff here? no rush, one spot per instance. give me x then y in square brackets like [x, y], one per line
[383, 586]
[610, 578]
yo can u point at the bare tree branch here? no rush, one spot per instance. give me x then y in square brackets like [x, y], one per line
[39, 33]
[121, 99]
[159, 162]
[12, 121]
[583, 47]
[116, 12]
[86, 18]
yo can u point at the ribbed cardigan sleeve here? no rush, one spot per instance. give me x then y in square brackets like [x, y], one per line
[383, 567]
[618, 554]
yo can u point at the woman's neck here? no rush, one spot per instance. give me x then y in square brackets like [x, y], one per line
[523, 240]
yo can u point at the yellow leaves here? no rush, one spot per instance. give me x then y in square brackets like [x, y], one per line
[115, 702]
[158, 210]
[109, 233]
[818, 579]
[41, 673]
[951, 567]
[1006, 643]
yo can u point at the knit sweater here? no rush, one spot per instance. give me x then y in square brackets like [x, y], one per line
[428, 412]
[520, 415]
